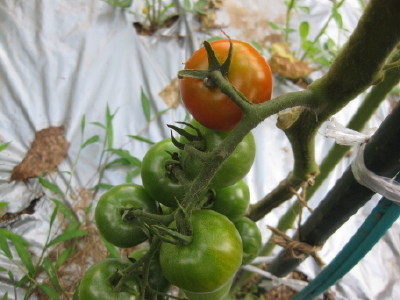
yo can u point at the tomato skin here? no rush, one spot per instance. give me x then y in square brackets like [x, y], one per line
[216, 295]
[249, 73]
[95, 283]
[233, 169]
[232, 201]
[159, 186]
[108, 214]
[251, 238]
[210, 260]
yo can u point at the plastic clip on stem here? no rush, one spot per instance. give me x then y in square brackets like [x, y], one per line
[374, 227]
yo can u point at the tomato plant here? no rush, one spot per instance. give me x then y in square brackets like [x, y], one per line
[248, 72]
[210, 260]
[108, 214]
[157, 281]
[95, 284]
[156, 180]
[234, 168]
[251, 238]
[232, 201]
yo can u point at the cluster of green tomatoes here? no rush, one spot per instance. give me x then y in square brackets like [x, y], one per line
[222, 238]
[197, 244]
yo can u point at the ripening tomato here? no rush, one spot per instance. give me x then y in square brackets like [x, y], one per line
[210, 260]
[233, 169]
[156, 181]
[251, 238]
[249, 73]
[108, 214]
[95, 283]
[232, 201]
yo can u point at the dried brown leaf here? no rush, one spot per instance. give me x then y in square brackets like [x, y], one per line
[47, 151]
[283, 62]
[170, 94]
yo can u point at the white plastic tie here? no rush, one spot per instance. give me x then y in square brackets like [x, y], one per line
[387, 187]
[295, 284]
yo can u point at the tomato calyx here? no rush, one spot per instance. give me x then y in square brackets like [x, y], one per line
[213, 65]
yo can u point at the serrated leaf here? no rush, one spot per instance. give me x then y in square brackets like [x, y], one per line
[51, 186]
[4, 146]
[91, 140]
[66, 236]
[304, 29]
[139, 138]
[49, 291]
[146, 106]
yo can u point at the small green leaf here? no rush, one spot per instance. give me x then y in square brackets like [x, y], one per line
[91, 140]
[22, 282]
[112, 250]
[304, 30]
[139, 138]
[126, 155]
[130, 175]
[3, 269]
[257, 45]
[21, 247]
[395, 91]
[83, 124]
[338, 18]
[66, 236]
[63, 256]
[65, 210]
[4, 146]
[146, 106]
[99, 124]
[51, 186]
[4, 246]
[104, 186]
[5, 297]
[274, 26]
[49, 291]
[51, 273]
[119, 3]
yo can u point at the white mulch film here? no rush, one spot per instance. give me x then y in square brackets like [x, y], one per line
[60, 60]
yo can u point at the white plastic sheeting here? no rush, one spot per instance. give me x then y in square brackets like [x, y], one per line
[62, 60]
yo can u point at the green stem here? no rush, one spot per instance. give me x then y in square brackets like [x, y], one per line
[129, 214]
[371, 102]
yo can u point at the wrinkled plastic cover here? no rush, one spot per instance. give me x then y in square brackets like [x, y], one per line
[62, 60]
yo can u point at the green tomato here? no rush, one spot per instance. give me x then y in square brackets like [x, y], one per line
[113, 228]
[234, 168]
[95, 283]
[157, 281]
[155, 180]
[232, 201]
[210, 260]
[251, 238]
[216, 295]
